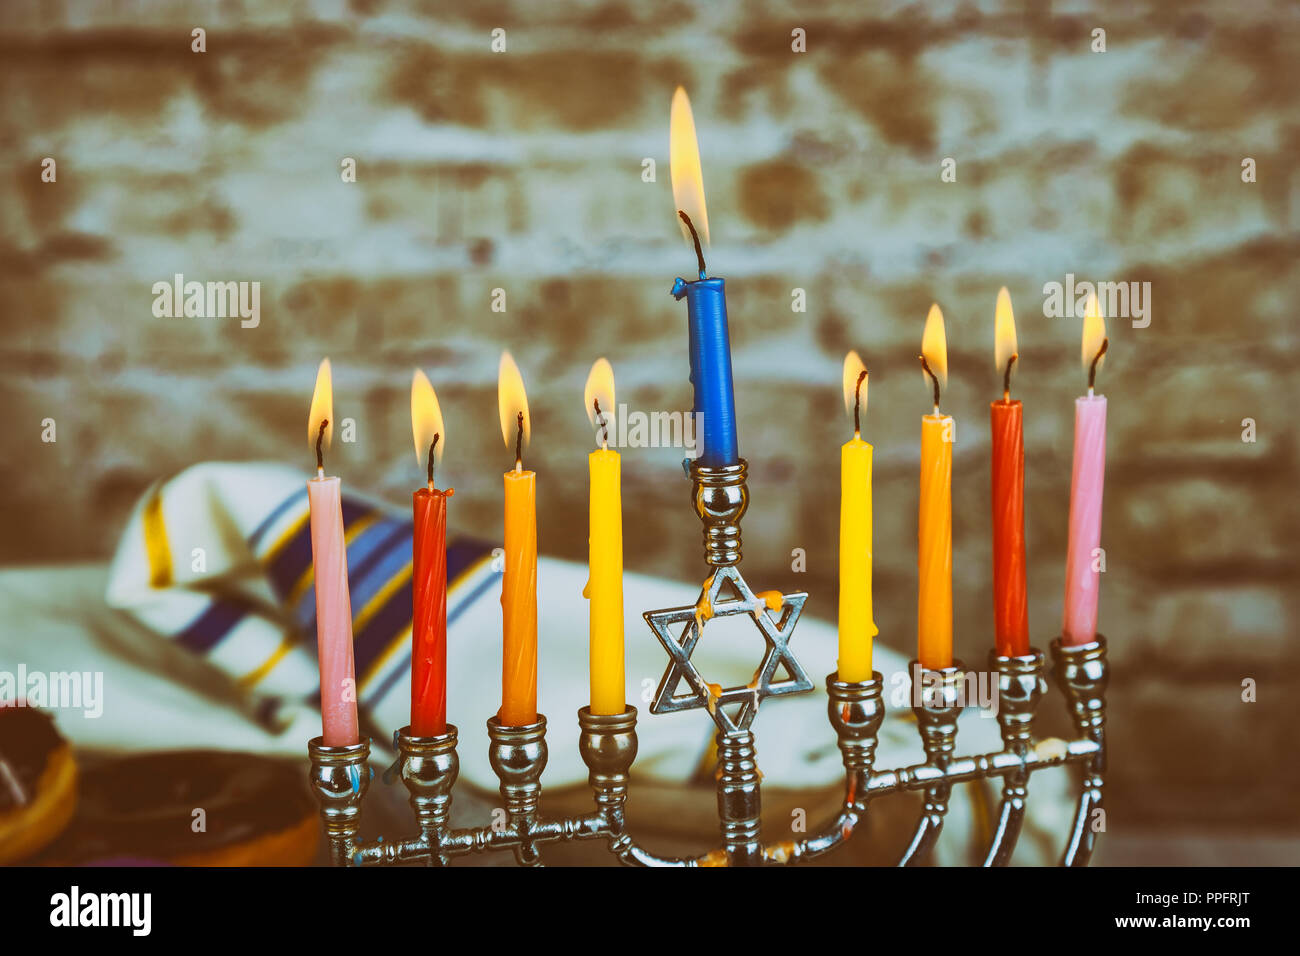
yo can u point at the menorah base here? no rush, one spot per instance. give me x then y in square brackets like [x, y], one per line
[428, 767]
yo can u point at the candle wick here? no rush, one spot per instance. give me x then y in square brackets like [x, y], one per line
[519, 443]
[320, 453]
[925, 367]
[604, 428]
[695, 237]
[857, 404]
[1006, 377]
[433, 445]
[1092, 369]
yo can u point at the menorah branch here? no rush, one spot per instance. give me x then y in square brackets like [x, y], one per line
[1083, 675]
[1020, 685]
[856, 711]
[937, 701]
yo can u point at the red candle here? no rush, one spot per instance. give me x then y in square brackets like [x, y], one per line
[1010, 604]
[429, 572]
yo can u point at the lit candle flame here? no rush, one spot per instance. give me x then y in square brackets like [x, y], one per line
[426, 420]
[600, 388]
[684, 167]
[854, 368]
[1004, 336]
[1094, 334]
[512, 401]
[322, 408]
[934, 348]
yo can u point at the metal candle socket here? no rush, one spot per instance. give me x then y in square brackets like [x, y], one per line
[721, 497]
[428, 766]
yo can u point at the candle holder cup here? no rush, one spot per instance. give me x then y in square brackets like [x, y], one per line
[607, 743]
[340, 777]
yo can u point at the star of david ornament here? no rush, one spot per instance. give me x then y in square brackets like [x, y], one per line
[776, 626]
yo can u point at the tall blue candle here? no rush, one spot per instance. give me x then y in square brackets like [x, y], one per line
[706, 300]
[710, 349]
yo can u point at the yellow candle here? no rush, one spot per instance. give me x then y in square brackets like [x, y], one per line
[605, 552]
[856, 624]
[934, 540]
[519, 582]
[605, 584]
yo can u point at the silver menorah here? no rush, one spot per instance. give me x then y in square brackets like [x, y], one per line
[428, 766]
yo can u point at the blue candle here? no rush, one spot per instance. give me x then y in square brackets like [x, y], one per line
[706, 300]
[710, 348]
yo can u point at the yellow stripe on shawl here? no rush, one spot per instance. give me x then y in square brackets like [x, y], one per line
[155, 541]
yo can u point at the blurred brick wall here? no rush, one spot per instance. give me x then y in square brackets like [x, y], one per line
[523, 171]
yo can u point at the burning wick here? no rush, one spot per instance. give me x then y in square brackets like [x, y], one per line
[320, 453]
[1006, 377]
[699, 253]
[925, 367]
[519, 445]
[432, 446]
[857, 404]
[1092, 369]
[604, 428]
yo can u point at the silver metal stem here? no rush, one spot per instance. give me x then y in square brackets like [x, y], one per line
[1020, 686]
[936, 701]
[607, 743]
[922, 776]
[739, 801]
[340, 777]
[518, 757]
[856, 711]
[720, 495]
[1083, 673]
[429, 767]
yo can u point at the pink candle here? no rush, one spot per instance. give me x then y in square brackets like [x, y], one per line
[1083, 559]
[338, 689]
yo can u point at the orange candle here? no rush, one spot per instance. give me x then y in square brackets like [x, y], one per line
[934, 539]
[519, 582]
